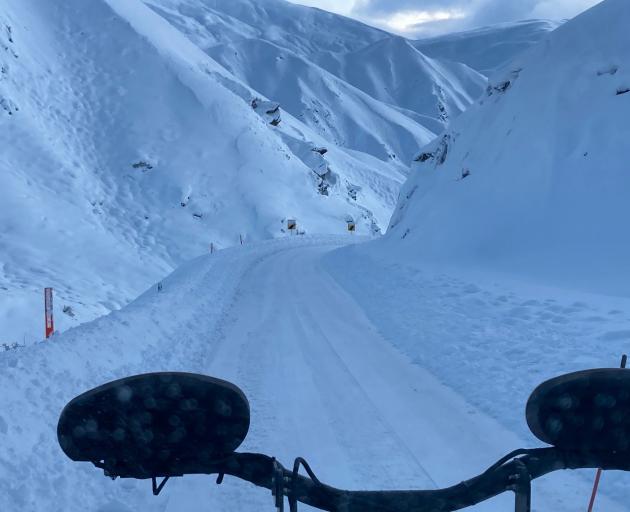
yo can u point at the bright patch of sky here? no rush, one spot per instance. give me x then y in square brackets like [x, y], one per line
[402, 21]
[418, 18]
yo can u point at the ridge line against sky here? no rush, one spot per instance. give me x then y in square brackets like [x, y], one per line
[425, 18]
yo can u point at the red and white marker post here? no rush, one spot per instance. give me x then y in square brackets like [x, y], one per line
[48, 311]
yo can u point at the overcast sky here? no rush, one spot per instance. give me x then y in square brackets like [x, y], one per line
[417, 18]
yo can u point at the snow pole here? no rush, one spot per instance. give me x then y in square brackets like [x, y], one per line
[241, 237]
[598, 475]
[48, 312]
[211, 248]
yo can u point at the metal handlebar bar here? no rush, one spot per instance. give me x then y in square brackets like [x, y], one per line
[512, 473]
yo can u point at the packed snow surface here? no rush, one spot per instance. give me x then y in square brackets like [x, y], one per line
[534, 179]
[334, 362]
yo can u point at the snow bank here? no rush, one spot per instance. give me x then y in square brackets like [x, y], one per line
[492, 339]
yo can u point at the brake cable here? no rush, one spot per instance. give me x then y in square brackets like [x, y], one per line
[513, 454]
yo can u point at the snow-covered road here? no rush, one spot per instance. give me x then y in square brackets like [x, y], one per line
[319, 374]
[324, 384]
[322, 381]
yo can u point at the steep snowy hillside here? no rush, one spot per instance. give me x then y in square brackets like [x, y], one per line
[342, 114]
[303, 57]
[534, 179]
[305, 30]
[127, 150]
[395, 72]
[488, 49]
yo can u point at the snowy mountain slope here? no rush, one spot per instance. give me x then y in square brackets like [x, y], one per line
[322, 379]
[395, 72]
[274, 56]
[339, 112]
[127, 150]
[534, 179]
[488, 49]
[305, 30]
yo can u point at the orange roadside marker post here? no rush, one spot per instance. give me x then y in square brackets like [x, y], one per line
[48, 312]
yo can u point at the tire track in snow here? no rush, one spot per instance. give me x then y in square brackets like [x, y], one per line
[238, 288]
[282, 362]
[308, 324]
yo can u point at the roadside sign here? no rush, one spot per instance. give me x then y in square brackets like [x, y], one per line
[48, 311]
[292, 224]
[352, 227]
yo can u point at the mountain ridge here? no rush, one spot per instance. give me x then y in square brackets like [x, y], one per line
[329, 50]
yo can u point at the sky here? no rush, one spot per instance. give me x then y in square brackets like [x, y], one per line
[421, 18]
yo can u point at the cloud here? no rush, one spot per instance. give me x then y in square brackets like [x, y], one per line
[418, 18]
[338, 6]
[428, 17]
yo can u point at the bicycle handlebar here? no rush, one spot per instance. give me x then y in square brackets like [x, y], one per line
[514, 475]
[560, 412]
